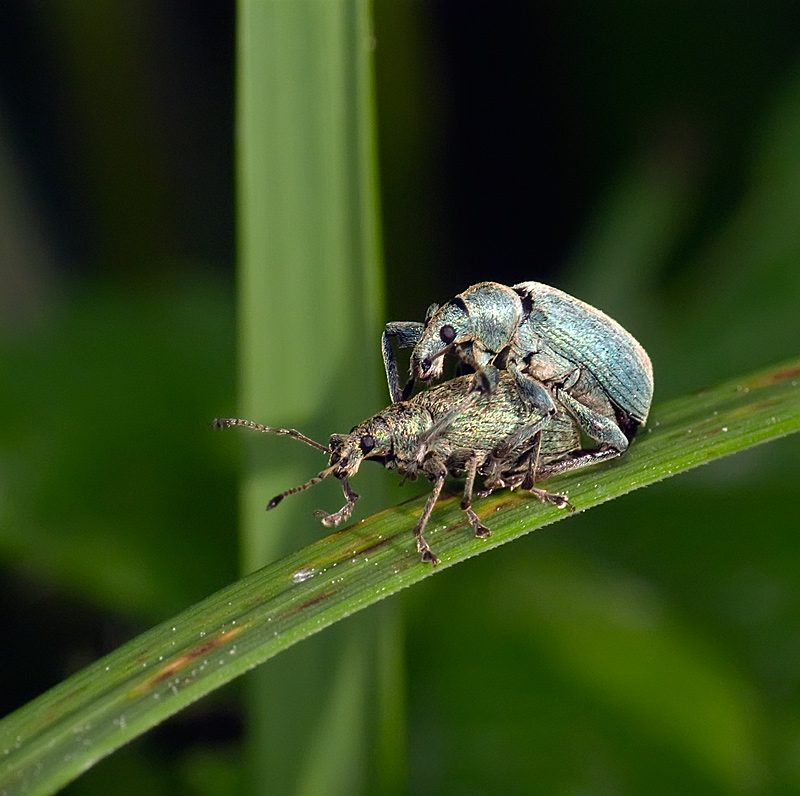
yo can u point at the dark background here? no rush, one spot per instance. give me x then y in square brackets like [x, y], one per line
[645, 159]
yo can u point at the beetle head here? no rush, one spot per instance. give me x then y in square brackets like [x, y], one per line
[371, 439]
[448, 326]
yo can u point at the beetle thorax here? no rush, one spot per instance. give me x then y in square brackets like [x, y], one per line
[484, 318]
[496, 312]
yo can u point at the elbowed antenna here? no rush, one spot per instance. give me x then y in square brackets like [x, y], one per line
[315, 480]
[228, 422]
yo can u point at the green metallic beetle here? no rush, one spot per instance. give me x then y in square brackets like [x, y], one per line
[451, 429]
[558, 348]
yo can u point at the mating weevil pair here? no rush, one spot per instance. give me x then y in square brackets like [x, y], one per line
[548, 368]
[557, 348]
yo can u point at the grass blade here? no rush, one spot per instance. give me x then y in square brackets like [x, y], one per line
[310, 302]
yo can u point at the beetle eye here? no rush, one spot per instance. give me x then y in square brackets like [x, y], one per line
[367, 443]
[447, 333]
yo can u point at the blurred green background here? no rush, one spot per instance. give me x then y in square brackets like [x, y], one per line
[646, 160]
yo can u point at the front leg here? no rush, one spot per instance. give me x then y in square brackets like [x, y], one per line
[407, 334]
[486, 376]
[331, 520]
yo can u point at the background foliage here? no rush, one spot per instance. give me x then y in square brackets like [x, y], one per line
[646, 161]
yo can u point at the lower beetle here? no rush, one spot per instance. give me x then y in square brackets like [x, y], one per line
[451, 429]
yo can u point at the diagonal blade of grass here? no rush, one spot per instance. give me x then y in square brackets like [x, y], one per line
[49, 742]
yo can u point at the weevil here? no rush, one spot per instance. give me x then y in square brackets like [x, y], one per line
[558, 348]
[449, 429]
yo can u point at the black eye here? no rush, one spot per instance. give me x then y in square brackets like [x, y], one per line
[367, 443]
[447, 333]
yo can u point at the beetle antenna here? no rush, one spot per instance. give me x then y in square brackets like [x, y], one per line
[409, 388]
[315, 480]
[446, 350]
[228, 422]
[481, 376]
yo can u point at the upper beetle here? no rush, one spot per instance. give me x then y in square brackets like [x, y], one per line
[555, 345]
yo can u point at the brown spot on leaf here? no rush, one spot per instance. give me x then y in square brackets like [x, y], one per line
[171, 668]
[785, 374]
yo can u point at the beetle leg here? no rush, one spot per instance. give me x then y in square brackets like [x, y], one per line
[523, 478]
[571, 380]
[331, 520]
[526, 437]
[422, 546]
[527, 482]
[496, 467]
[524, 473]
[407, 334]
[485, 375]
[526, 441]
[597, 426]
[578, 459]
[533, 391]
[466, 502]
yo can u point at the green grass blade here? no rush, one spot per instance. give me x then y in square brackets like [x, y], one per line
[57, 736]
[310, 303]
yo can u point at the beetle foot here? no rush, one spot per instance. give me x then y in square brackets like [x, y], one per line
[425, 552]
[490, 483]
[480, 383]
[514, 481]
[560, 501]
[332, 520]
[495, 481]
[490, 486]
[481, 531]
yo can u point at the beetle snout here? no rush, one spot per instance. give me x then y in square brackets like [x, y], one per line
[429, 369]
[426, 367]
[348, 461]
